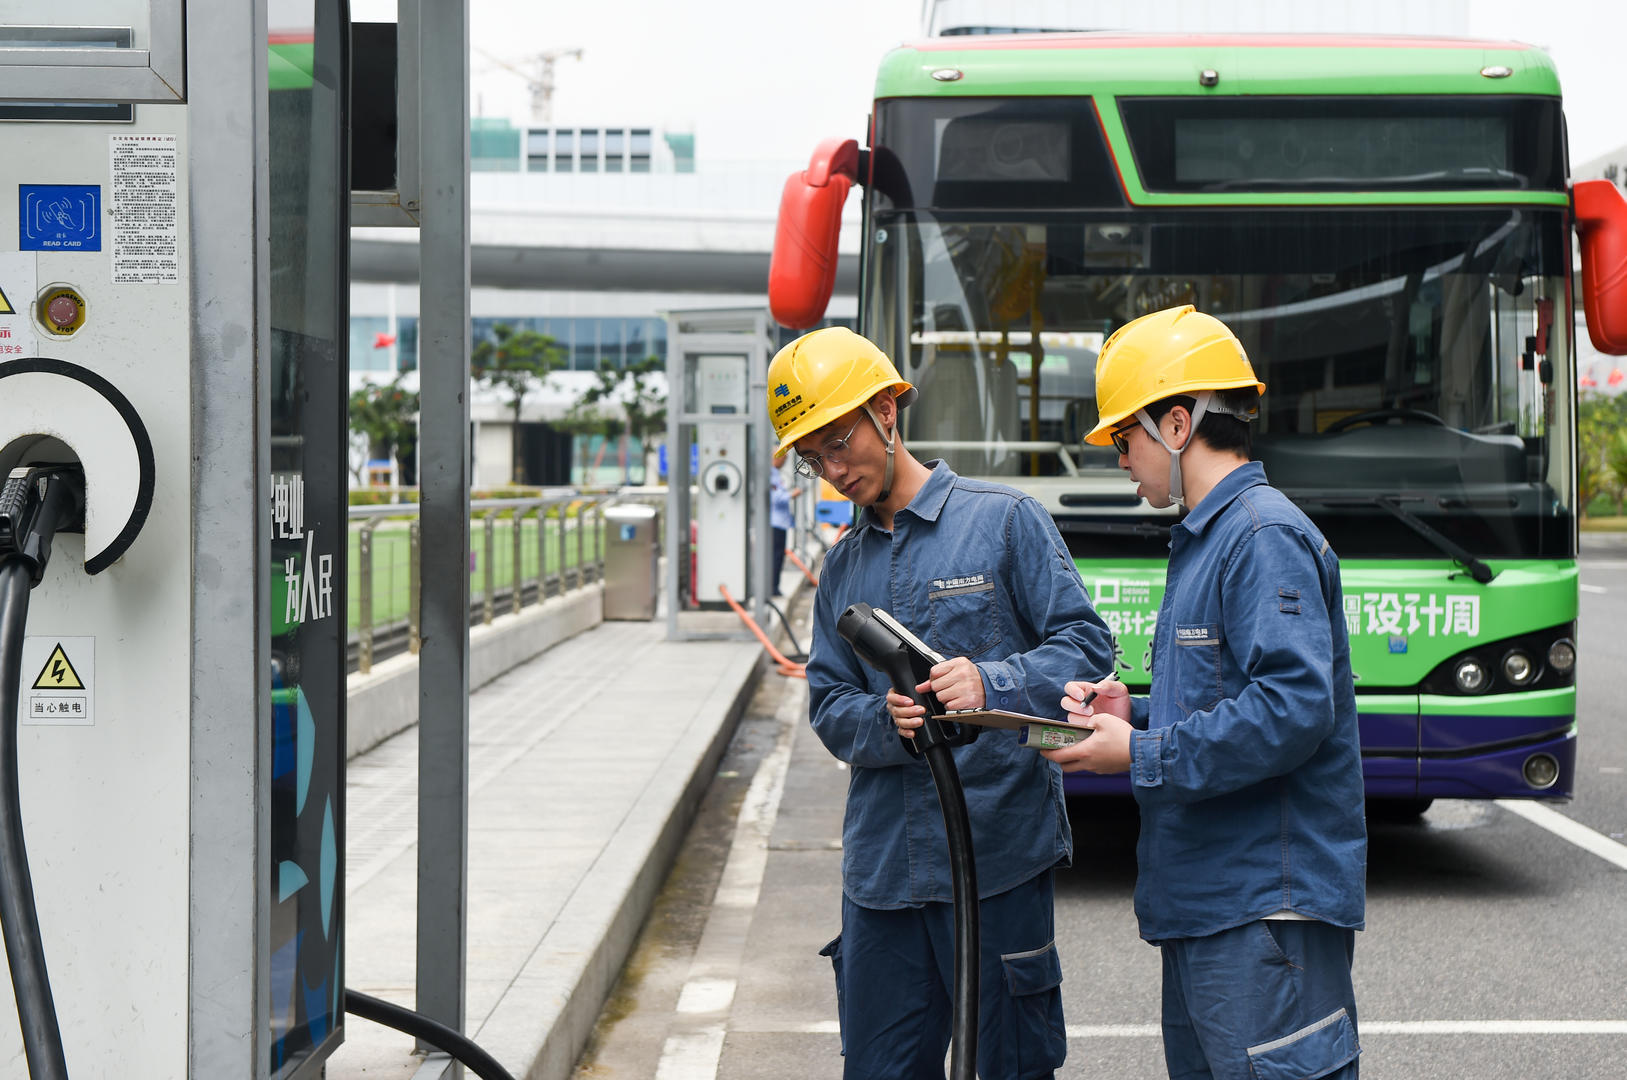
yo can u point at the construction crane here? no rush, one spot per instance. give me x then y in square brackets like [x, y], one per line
[541, 81]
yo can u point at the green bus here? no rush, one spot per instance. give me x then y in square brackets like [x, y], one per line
[1387, 225]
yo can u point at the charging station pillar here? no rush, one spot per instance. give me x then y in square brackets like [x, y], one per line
[173, 234]
[719, 452]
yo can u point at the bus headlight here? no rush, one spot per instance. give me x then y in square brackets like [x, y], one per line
[1518, 668]
[1471, 675]
[1540, 771]
[1562, 656]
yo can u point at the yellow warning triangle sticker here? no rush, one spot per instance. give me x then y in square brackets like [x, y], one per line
[58, 673]
[5, 305]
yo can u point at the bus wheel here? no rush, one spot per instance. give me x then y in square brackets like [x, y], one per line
[1397, 811]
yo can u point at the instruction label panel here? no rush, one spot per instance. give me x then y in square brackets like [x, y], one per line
[59, 217]
[143, 206]
[59, 681]
[16, 294]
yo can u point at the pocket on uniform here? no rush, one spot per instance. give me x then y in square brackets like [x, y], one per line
[1034, 981]
[1197, 666]
[1313, 1051]
[965, 618]
[834, 951]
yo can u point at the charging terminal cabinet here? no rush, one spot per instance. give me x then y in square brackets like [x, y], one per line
[718, 463]
[173, 314]
[721, 510]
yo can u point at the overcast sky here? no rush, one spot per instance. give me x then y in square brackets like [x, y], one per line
[766, 79]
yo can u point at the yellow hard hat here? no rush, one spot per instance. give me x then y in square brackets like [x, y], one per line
[821, 376]
[1179, 350]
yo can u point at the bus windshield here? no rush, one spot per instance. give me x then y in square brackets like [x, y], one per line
[1414, 358]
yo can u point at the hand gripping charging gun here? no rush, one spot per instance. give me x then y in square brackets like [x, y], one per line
[884, 644]
[36, 502]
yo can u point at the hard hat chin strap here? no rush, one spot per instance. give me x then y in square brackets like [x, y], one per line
[1176, 494]
[889, 438]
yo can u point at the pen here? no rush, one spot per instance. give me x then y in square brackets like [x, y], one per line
[1109, 677]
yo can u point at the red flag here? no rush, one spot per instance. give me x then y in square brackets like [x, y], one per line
[381, 340]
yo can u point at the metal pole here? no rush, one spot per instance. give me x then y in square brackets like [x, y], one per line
[517, 591]
[489, 577]
[364, 615]
[542, 551]
[415, 590]
[581, 529]
[564, 507]
[443, 662]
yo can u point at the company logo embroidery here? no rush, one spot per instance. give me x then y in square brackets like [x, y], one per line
[1205, 634]
[782, 390]
[959, 582]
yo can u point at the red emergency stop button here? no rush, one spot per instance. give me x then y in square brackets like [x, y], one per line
[61, 310]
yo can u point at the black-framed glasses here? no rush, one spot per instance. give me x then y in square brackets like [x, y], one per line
[1121, 435]
[834, 451]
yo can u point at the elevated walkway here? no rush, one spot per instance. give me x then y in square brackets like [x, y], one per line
[586, 766]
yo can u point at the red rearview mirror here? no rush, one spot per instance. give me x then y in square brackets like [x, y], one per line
[802, 270]
[1601, 221]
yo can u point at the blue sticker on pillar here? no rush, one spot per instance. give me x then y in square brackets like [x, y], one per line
[59, 217]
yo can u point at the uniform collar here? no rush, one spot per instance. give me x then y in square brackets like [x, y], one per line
[928, 502]
[1223, 495]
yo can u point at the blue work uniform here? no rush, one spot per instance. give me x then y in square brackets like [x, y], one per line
[976, 570]
[1247, 769]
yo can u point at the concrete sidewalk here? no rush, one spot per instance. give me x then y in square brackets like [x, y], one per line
[586, 765]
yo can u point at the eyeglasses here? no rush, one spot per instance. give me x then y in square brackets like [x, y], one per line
[1121, 435]
[834, 452]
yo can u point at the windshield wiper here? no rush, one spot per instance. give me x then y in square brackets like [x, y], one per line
[1113, 528]
[1462, 556]
[1480, 174]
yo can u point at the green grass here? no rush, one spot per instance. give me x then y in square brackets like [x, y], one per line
[391, 596]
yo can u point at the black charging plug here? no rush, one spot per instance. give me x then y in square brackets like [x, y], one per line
[36, 503]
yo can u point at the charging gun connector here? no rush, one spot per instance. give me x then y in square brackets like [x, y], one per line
[36, 503]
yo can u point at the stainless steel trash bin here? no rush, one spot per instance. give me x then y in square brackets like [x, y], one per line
[631, 561]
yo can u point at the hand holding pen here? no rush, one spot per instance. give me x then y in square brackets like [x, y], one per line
[1081, 698]
[1106, 703]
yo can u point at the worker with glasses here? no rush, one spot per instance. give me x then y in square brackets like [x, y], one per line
[979, 572]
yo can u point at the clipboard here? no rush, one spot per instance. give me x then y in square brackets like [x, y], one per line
[1038, 732]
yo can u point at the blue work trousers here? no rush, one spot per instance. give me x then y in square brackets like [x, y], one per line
[895, 973]
[1268, 1000]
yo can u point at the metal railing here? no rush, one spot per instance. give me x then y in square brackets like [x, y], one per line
[538, 561]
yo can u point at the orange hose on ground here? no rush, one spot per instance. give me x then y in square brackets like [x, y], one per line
[794, 557]
[786, 667]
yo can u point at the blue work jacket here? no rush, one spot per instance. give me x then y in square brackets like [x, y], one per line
[976, 570]
[1248, 768]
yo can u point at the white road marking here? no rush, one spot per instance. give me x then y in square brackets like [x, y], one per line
[1367, 1027]
[1593, 588]
[1566, 829]
[1396, 1027]
[691, 1053]
[693, 1050]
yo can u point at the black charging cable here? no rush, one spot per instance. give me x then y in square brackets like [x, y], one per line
[878, 642]
[422, 1027]
[35, 504]
[800, 656]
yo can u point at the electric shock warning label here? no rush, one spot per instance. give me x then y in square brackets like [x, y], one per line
[59, 681]
[143, 204]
